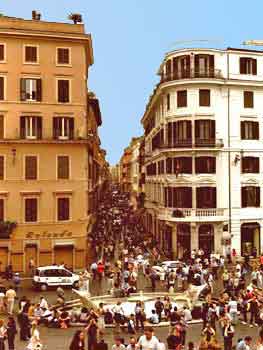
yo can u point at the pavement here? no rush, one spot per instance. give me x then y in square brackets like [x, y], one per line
[59, 339]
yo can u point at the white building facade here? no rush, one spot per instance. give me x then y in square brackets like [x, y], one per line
[204, 152]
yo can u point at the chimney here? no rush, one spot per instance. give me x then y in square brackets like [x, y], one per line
[36, 16]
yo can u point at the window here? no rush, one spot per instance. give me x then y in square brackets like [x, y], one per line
[178, 197]
[182, 98]
[2, 167]
[179, 165]
[205, 165]
[205, 133]
[63, 209]
[63, 55]
[31, 89]
[31, 167]
[151, 169]
[158, 140]
[249, 130]
[180, 133]
[2, 88]
[31, 54]
[250, 196]
[168, 102]
[204, 98]
[63, 167]
[30, 127]
[2, 209]
[181, 67]
[1, 127]
[161, 167]
[2, 52]
[248, 99]
[250, 164]
[248, 65]
[63, 128]
[63, 91]
[206, 197]
[31, 210]
[204, 66]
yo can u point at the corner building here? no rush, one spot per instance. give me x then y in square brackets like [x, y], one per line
[204, 152]
[43, 142]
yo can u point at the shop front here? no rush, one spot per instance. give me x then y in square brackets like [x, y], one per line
[250, 238]
[183, 240]
[206, 239]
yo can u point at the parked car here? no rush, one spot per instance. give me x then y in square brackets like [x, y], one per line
[166, 266]
[54, 276]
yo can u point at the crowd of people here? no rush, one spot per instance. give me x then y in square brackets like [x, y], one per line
[230, 294]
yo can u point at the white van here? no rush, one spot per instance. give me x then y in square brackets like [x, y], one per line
[49, 276]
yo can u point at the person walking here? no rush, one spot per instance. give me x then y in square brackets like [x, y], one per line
[2, 335]
[92, 332]
[10, 298]
[11, 332]
[228, 334]
[77, 342]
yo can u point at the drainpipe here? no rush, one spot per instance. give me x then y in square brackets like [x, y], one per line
[229, 154]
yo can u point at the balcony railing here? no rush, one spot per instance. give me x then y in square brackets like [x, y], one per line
[192, 74]
[191, 143]
[191, 213]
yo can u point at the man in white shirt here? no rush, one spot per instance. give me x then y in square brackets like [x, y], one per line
[10, 297]
[148, 341]
[233, 310]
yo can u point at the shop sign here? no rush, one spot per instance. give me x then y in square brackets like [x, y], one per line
[48, 235]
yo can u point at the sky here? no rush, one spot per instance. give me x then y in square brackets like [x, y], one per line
[130, 39]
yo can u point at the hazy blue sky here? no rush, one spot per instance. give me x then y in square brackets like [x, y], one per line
[130, 38]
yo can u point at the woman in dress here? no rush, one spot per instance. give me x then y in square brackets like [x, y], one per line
[77, 342]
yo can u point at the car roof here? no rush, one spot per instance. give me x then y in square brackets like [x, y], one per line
[52, 267]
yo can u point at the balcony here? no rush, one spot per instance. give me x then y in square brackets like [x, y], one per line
[192, 215]
[192, 74]
[189, 143]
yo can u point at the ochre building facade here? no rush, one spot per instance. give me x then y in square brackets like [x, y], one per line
[44, 143]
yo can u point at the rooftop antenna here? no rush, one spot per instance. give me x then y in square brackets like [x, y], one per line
[253, 42]
[195, 41]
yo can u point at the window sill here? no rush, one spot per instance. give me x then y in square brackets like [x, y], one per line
[31, 63]
[64, 65]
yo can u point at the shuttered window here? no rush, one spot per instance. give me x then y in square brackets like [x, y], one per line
[63, 128]
[248, 65]
[248, 99]
[249, 130]
[1, 127]
[63, 167]
[2, 52]
[63, 91]
[63, 56]
[30, 167]
[250, 164]
[182, 98]
[2, 209]
[30, 89]
[2, 167]
[206, 197]
[2, 88]
[205, 165]
[168, 102]
[63, 209]
[30, 127]
[204, 98]
[178, 197]
[205, 132]
[250, 196]
[31, 210]
[31, 54]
